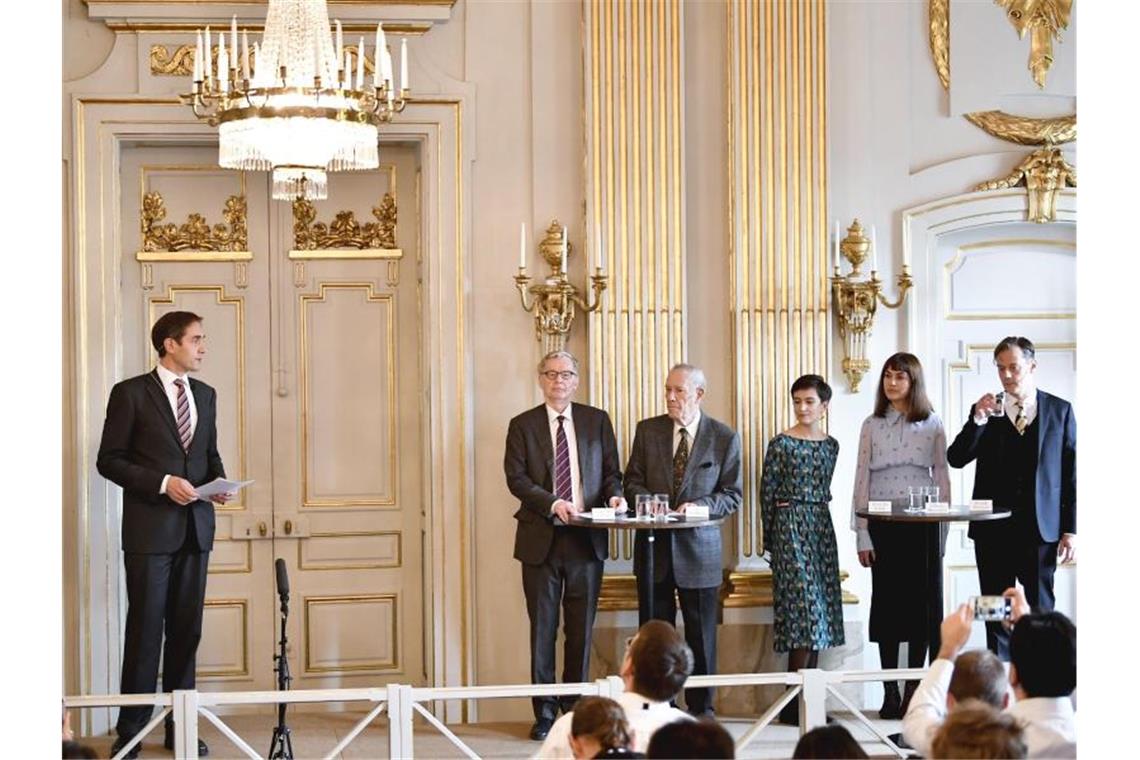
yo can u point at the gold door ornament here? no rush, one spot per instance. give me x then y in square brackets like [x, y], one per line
[1043, 174]
[344, 231]
[1025, 130]
[195, 234]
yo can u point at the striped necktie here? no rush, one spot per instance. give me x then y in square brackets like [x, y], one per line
[1022, 420]
[563, 487]
[183, 416]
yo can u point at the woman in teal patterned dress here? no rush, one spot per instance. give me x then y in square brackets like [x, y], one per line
[794, 494]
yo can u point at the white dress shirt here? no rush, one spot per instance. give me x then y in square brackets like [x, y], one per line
[167, 377]
[691, 428]
[643, 715]
[572, 445]
[1013, 406]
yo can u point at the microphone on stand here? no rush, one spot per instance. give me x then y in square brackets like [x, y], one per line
[281, 747]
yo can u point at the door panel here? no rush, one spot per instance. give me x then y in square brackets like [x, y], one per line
[316, 363]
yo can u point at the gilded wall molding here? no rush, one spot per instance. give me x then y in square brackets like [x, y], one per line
[635, 207]
[178, 61]
[1044, 20]
[939, 13]
[1025, 130]
[1043, 173]
[344, 231]
[779, 295]
[195, 234]
[751, 588]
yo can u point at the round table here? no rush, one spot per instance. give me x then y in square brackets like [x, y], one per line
[621, 522]
[960, 513]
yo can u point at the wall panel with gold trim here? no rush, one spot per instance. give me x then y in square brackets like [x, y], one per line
[777, 131]
[635, 205]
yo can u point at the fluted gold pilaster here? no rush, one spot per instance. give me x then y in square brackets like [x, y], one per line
[778, 216]
[635, 204]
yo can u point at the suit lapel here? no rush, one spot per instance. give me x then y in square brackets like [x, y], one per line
[158, 395]
[1044, 412]
[665, 448]
[199, 406]
[542, 433]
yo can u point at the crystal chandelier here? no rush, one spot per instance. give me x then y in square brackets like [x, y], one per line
[297, 108]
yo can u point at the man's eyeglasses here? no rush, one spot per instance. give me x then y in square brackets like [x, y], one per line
[552, 375]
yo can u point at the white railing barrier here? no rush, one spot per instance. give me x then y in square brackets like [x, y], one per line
[403, 702]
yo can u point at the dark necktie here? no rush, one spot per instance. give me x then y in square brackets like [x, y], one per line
[183, 415]
[680, 460]
[563, 487]
[1022, 420]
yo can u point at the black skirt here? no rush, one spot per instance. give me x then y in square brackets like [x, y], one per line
[906, 581]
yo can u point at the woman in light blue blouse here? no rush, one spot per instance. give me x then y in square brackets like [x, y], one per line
[901, 445]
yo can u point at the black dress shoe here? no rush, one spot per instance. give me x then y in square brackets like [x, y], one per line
[121, 742]
[892, 703]
[168, 742]
[540, 729]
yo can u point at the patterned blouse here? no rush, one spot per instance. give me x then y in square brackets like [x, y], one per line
[895, 454]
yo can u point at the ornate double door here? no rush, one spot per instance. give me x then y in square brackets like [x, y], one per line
[313, 344]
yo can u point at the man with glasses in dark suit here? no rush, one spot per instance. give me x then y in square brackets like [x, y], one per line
[561, 459]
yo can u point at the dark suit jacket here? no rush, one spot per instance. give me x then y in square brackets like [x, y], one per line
[529, 466]
[140, 445]
[712, 477]
[1056, 491]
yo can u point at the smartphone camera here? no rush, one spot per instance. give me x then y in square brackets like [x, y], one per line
[991, 609]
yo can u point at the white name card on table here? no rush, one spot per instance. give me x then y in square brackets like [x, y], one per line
[938, 507]
[694, 512]
[879, 506]
[602, 514]
[982, 505]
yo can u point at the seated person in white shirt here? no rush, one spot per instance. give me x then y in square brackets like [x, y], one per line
[1042, 675]
[657, 662]
[599, 730]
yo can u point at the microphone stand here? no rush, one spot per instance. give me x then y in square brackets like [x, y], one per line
[282, 744]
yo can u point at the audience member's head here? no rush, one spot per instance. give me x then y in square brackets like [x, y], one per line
[979, 674]
[1043, 655]
[78, 751]
[691, 739]
[657, 662]
[973, 729]
[828, 742]
[598, 725]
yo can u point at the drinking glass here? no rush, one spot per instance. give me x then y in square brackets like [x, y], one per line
[916, 497]
[931, 493]
[999, 401]
[644, 506]
[661, 506]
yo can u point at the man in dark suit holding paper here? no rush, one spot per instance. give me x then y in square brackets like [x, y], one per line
[561, 459]
[696, 460]
[159, 442]
[1026, 452]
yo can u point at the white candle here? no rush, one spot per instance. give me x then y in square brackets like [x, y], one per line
[339, 41]
[565, 245]
[874, 251]
[388, 70]
[208, 61]
[404, 64]
[522, 246]
[198, 58]
[347, 70]
[233, 34]
[360, 65]
[377, 73]
[245, 54]
[223, 64]
[837, 246]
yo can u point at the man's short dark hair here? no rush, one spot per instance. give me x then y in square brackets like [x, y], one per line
[661, 661]
[804, 382]
[691, 739]
[1043, 648]
[973, 729]
[172, 324]
[1016, 341]
[979, 674]
[828, 742]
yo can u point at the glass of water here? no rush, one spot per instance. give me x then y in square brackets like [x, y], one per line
[661, 506]
[999, 404]
[644, 506]
[931, 493]
[916, 497]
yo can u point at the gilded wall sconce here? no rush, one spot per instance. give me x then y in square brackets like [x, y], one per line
[856, 299]
[554, 301]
